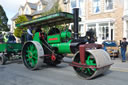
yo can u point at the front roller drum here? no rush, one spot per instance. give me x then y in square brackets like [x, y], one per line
[32, 52]
[96, 62]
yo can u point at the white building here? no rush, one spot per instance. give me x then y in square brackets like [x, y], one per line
[125, 19]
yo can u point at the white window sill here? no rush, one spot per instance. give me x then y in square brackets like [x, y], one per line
[96, 13]
[111, 10]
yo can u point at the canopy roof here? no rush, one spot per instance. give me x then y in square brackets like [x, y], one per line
[50, 20]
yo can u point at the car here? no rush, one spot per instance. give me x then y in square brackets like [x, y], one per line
[111, 47]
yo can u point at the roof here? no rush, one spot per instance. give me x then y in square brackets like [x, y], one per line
[32, 5]
[50, 20]
[15, 16]
[22, 7]
[47, 8]
[44, 2]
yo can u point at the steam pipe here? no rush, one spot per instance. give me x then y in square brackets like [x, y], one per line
[76, 23]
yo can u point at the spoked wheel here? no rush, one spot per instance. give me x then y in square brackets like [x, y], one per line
[87, 73]
[3, 59]
[32, 53]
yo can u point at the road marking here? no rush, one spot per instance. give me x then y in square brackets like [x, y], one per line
[119, 69]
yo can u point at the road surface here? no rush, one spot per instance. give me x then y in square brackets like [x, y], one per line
[16, 74]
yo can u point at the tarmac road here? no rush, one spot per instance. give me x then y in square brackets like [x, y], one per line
[63, 74]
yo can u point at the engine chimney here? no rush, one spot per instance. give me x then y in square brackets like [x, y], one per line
[76, 17]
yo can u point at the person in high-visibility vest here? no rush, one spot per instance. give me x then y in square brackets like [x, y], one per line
[29, 33]
[5, 38]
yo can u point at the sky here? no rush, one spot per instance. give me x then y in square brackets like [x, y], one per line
[11, 7]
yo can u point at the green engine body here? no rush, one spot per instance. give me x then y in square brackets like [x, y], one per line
[60, 41]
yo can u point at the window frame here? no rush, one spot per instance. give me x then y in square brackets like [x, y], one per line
[103, 32]
[105, 8]
[77, 2]
[39, 7]
[93, 7]
[25, 10]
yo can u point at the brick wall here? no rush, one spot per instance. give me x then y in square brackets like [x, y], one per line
[116, 14]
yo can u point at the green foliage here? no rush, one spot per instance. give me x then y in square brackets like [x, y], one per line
[21, 19]
[54, 9]
[60, 27]
[18, 31]
[3, 20]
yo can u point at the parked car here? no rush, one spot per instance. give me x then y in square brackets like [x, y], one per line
[112, 48]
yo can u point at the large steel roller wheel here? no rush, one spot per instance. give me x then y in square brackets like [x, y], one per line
[94, 58]
[85, 72]
[32, 53]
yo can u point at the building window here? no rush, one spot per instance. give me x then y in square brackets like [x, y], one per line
[81, 7]
[108, 4]
[79, 4]
[27, 11]
[39, 7]
[93, 27]
[126, 30]
[96, 6]
[103, 32]
[81, 31]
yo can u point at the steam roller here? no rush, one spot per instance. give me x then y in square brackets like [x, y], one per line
[90, 59]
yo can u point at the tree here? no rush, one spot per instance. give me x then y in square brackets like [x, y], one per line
[18, 31]
[3, 20]
[21, 19]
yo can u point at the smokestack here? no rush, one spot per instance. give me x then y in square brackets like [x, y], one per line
[76, 17]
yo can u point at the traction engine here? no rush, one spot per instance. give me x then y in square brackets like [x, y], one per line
[89, 60]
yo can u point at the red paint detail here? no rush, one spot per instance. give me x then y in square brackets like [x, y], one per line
[86, 66]
[82, 54]
[53, 39]
[53, 57]
[82, 65]
[41, 36]
[84, 47]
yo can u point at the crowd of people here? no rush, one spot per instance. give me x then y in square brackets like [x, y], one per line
[7, 38]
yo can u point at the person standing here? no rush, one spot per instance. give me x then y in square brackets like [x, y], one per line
[29, 34]
[123, 45]
[11, 38]
[23, 37]
[38, 29]
[5, 38]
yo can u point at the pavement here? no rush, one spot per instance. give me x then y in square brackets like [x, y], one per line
[119, 65]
